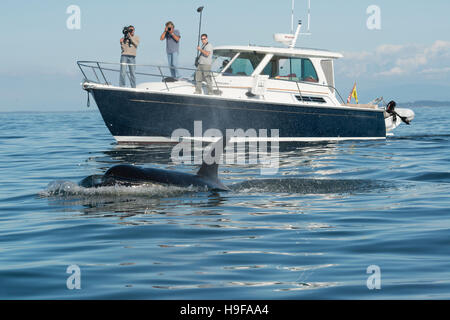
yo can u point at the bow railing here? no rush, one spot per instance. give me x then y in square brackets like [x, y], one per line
[108, 73]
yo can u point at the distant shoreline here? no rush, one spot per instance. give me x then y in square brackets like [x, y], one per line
[93, 110]
[425, 103]
[420, 103]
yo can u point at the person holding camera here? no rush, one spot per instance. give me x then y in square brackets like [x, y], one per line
[172, 37]
[204, 65]
[128, 44]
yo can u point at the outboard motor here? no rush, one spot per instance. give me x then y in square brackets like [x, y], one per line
[390, 110]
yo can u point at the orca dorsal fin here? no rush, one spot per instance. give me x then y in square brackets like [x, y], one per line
[209, 171]
[210, 165]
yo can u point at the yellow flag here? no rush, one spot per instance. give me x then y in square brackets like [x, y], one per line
[353, 94]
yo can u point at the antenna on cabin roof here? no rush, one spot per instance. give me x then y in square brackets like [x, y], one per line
[292, 16]
[309, 16]
[291, 39]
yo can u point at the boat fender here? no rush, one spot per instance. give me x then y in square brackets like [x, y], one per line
[88, 101]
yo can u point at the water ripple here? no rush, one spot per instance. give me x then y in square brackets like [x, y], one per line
[308, 232]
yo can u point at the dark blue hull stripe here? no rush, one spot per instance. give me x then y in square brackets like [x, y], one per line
[145, 114]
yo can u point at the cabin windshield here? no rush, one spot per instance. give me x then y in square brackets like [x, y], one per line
[221, 60]
[291, 69]
[242, 65]
[246, 63]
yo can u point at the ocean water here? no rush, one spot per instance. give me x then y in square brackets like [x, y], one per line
[312, 231]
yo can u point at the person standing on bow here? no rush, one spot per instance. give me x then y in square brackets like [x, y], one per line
[172, 37]
[204, 65]
[128, 44]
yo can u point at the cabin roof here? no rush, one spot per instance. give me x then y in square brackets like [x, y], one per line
[295, 52]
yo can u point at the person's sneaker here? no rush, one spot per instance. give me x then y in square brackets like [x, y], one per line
[197, 92]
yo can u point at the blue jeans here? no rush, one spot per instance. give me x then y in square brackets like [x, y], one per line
[124, 60]
[172, 58]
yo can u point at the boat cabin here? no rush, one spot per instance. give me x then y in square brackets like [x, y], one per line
[272, 70]
[284, 64]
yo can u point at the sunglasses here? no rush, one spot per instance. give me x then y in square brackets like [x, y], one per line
[204, 38]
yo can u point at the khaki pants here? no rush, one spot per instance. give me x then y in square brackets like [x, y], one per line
[203, 73]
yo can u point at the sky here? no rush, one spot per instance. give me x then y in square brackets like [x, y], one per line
[400, 52]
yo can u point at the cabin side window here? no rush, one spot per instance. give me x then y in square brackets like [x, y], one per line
[291, 69]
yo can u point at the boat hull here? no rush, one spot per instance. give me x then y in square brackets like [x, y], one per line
[134, 116]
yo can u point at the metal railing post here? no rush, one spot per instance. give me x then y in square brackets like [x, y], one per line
[322, 85]
[106, 81]
[298, 88]
[215, 82]
[164, 79]
[81, 69]
[339, 94]
[95, 73]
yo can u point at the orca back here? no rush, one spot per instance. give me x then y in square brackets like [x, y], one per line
[125, 174]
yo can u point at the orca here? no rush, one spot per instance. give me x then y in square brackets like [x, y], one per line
[129, 175]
